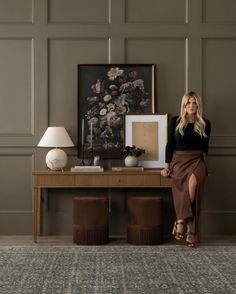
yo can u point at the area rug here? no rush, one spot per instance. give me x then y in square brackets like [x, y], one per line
[117, 269]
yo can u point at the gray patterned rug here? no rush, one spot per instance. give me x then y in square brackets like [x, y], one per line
[117, 269]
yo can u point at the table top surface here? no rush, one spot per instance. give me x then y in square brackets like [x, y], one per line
[106, 171]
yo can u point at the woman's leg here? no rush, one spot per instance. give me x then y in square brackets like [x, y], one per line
[179, 225]
[192, 186]
[190, 222]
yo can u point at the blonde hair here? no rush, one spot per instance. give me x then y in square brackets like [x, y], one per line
[199, 123]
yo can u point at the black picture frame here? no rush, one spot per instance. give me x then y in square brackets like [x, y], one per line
[106, 92]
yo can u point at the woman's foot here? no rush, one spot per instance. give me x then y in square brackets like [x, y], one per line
[190, 240]
[178, 229]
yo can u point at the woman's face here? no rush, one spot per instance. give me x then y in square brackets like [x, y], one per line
[191, 106]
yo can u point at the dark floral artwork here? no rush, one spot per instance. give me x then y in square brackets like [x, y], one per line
[105, 94]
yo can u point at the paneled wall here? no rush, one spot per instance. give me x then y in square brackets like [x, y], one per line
[193, 45]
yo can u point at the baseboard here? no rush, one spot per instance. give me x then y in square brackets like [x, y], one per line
[218, 238]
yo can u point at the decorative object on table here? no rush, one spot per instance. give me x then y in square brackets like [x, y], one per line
[131, 161]
[90, 152]
[96, 160]
[56, 159]
[127, 168]
[105, 93]
[131, 154]
[87, 168]
[149, 131]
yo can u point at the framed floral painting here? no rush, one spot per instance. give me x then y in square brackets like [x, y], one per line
[106, 92]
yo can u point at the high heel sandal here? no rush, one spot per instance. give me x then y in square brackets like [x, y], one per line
[190, 244]
[178, 235]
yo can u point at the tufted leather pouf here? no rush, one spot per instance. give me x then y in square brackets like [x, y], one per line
[144, 220]
[90, 220]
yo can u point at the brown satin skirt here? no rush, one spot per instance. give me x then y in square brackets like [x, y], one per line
[183, 165]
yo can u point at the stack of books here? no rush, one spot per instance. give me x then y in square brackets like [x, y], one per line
[127, 168]
[87, 168]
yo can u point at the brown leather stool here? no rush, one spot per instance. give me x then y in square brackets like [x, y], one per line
[144, 220]
[90, 220]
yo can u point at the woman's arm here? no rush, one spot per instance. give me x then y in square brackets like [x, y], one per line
[165, 172]
[171, 143]
[170, 146]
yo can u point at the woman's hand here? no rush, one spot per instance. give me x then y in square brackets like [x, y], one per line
[166, 171]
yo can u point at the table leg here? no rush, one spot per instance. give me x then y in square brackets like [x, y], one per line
[36, 201]
[109, 199]
[39, 212]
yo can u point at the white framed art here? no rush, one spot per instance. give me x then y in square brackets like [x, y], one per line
[147, 131]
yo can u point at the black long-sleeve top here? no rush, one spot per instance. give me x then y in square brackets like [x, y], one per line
[189, 141]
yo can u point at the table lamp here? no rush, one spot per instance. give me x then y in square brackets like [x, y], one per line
[56, 159]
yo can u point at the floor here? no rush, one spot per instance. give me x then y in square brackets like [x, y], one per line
[67, 241]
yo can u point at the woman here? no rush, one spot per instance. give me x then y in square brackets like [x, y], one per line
[186, 150]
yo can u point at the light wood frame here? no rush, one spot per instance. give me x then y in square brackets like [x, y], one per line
[148, 131]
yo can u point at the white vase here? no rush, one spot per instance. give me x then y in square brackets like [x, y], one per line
[131, 161]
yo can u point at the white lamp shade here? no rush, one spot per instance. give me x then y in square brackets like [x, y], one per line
[55, 137]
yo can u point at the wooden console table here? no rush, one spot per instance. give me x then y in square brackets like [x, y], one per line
[106, 179]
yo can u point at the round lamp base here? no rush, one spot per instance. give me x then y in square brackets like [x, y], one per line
[56, 159]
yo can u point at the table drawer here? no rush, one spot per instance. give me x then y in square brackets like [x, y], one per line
[134, 180]
[165, 182]
[54, 180]
[151, 180]
[117, 180]
[91, 180]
